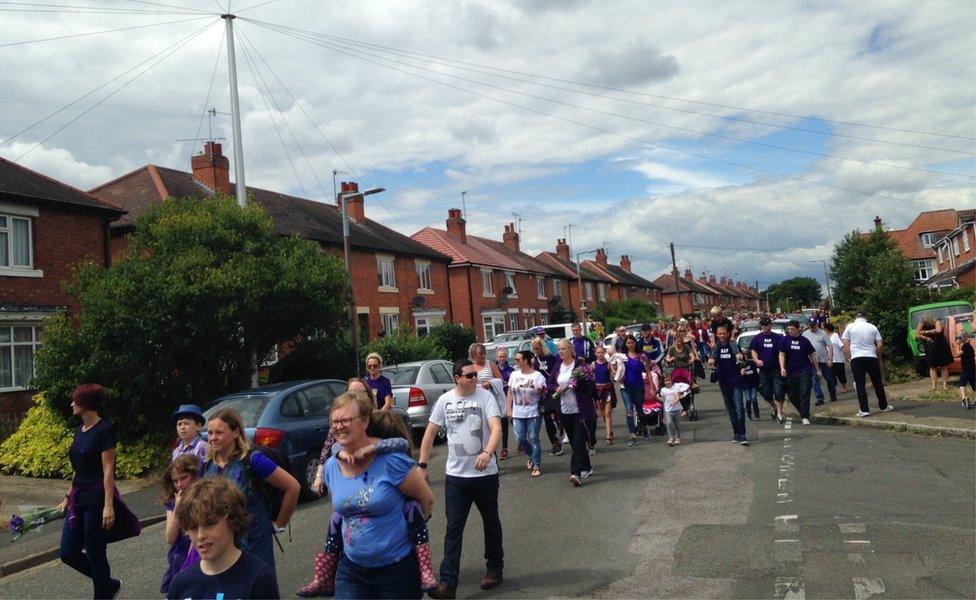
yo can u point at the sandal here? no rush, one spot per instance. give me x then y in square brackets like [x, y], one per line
[528, 464]
[536, 472]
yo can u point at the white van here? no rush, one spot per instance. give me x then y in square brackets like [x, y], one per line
[558, 331]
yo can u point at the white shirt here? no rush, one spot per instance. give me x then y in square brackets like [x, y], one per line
[465, 419]
[838, 348]
[862, 336]
[567, 400]
[525, 390]
[672, 395]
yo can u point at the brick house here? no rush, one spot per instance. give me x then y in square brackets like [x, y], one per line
[495, 287]
[396, 281]
[696, 297]
[918, 241]
[47, 228]
[956, 255]
[596, 284]
[625, 283]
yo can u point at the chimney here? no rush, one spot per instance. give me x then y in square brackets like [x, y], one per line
[711, 279]
[702, 278]
[724, 281]
[625, 263]
[455, 225]
[562, 249]
[354, 204]
[601, 257]
[877, 224]
[212, 168]
[688, 274]
[511, 238]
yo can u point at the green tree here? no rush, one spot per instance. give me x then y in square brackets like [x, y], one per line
[204, 287]
[320, 357]
[454, 338]
[795, 293]
[623, 312]
[404, 348]
[850, 265]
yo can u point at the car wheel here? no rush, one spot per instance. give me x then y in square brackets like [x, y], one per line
[306, 476]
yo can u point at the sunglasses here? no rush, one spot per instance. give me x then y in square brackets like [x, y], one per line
[372, 366]
[469, 375]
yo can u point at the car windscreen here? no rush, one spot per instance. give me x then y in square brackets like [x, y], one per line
[937, 313]
[249, 407]
[401, 375]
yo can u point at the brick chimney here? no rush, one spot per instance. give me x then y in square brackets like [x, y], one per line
[354, 204]
[688, 274]
[601, 257]
[625, 263]
[562, 249]
[511, 238]
[702, 278]
[711, 279]
[724, 281]
[877, 224]
[212, 168]
[456, 225]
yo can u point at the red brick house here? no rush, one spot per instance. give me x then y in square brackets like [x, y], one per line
[596, 284]
[396, 281]
[626, 284]
[696, 297]
[47, 228]
[495, 287]
[956, 255]
[919, 240]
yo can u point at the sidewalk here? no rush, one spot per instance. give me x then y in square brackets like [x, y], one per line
[38, 546]
[916, 411]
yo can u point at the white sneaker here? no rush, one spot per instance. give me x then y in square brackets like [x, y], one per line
[806, 421]
[586, 474]
[863, 413]
[888, 408]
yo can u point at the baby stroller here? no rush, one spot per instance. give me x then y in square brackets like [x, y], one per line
[650, 417]
[688, 401]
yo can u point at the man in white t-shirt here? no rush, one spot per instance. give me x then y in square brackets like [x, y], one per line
[471, 418]
[862, 344]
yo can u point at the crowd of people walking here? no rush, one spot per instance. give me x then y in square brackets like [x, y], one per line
[226, 500]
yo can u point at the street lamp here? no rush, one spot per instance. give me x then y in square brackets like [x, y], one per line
[345, 248]
[830, 300]
[579, 282]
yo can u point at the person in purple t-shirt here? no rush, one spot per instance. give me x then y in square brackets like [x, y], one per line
[797, 357]
[729, 377]
[765, 352]
[382, 388]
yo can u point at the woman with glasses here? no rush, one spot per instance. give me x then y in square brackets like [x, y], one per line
[382, 388]
[545, 363]
[526, 387]
[488, 371]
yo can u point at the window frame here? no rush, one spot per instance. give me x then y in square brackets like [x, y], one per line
[487, 283]
[425, 277]
[386, 285]
[955, 246]
[510, 283]
[557, 287]
[24, 270]
[12, 345]
[926, 239]
[393, 327]
[588, 291]
[965, 240]
[540, 286]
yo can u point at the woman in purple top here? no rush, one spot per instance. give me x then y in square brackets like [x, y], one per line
[605, 399]
[382, 388]
[546, 363]
[727, 366]
[632, 390]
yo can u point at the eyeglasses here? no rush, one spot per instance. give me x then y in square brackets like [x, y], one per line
[469, 375]
[343, 422]
[372, 366]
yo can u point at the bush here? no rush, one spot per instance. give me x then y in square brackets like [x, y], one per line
[399, 349]
[454, 338]
[329, 357]
[624, 312]
[39, 448]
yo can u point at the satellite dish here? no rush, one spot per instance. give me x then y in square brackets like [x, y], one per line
[507, 291]
[556, 300]
[418, 302]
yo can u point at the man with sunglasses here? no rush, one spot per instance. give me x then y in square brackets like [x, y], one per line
[472, 421]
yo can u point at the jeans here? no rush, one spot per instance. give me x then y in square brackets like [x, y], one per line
[799, 385]
[576, 430]
[527, 434]
[399, 580]
[771, 386]
[831, 385]
[870, 366]
[749, 399]
[459, 494]
[89, 536]
[673, 421]
[633, 397]
[733, 404]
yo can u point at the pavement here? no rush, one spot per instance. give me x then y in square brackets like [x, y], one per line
[805, 511]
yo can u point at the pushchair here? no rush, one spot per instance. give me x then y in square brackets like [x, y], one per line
[650, 417]
[687, 401]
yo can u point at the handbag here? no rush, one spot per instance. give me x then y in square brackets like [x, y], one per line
[714, 376]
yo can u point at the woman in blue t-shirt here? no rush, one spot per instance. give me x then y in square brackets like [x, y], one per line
[228, 449]
[378, 558]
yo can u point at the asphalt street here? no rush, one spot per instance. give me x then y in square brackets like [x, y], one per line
[804, 512]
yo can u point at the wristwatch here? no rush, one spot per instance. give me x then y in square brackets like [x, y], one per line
[422, 465]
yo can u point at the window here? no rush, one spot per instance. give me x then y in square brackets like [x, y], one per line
[423, 277]
[17, 347]
[486, 283]
[427, 322]
[15, 242]
[965, 241]
[386, 268]
[941, 259]
[493, 324]
[319, 400]
[955, 246]
[923, 269]
[589, 290]
[439, 371]
[510, 283]
[557, 287]
[543, 318]
[926, 239]
[601, 290]
[513, 321]
[390, 323]
[540, 286]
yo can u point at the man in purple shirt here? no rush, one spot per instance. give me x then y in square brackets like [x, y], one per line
[797, 357]
[726, 366]
[582, 344]
[765, 351]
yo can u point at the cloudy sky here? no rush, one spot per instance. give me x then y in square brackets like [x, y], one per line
[722, 127]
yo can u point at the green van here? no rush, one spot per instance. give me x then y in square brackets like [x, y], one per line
[938, 310]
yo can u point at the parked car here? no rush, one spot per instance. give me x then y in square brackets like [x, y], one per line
[745, 338]
[512, 336]
[564, 330]
[292, 416]
[954, 314]
[511, 347]
[417, 385]
[634, 330]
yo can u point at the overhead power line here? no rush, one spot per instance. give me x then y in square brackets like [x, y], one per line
[29, 7]
[213, 77]
[434, 58]
[75, 35]
[597, 127]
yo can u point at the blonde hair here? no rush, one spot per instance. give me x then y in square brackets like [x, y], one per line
[476, 346]
[568, 344]
[373, 355]
[357, 398]
[233, 420]
[542, 343]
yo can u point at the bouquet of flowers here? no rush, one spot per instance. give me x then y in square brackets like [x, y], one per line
[574, 379]
[33, 519]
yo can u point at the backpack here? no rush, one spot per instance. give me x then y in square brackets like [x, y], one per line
[272, 495]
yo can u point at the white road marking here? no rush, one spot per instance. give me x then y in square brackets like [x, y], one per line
[858, 542]
[865, 588]
[781, 483]
[851, 527]
[784, 501]
[790, 588]
[786, 523]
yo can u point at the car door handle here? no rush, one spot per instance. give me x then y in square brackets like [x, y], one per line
[320, 428]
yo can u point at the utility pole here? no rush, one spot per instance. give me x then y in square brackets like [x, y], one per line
[235, 109]
[830, 300]
[677, 284]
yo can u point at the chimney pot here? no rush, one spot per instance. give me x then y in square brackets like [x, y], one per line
[354, 204]
[688, 274]
[511, 238]
[212, 168]
[456, 225]
[625, 263]
[562, 249]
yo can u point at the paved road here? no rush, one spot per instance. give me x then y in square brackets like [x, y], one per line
[804, 512]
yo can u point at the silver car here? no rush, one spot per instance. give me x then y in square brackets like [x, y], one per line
[417, 385]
